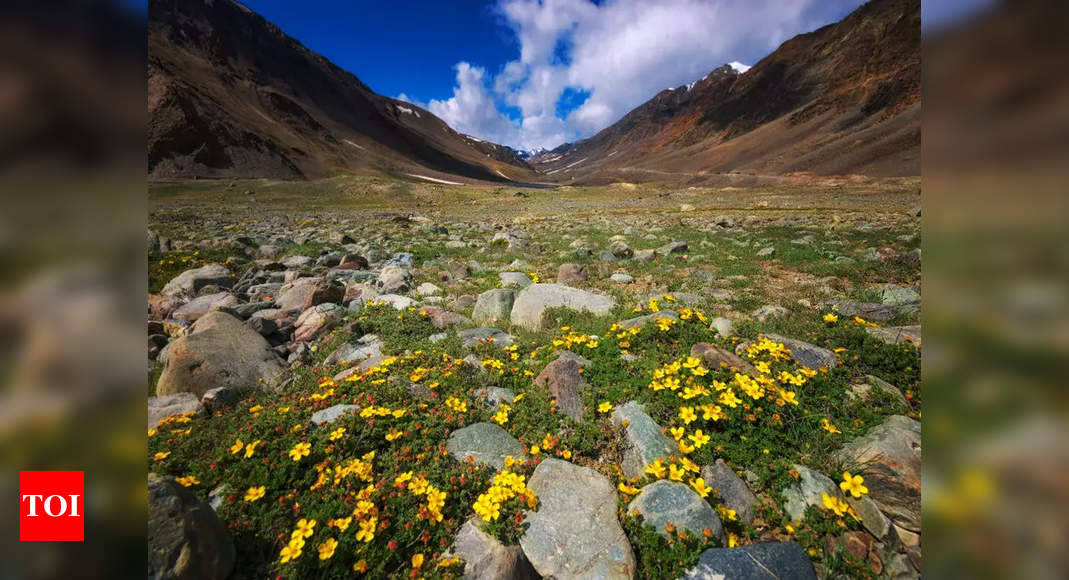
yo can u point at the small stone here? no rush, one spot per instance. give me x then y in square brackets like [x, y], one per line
[514, 279]
[485, 558]
[428, 289]
[621, 250]
[160, 408]
[622, 278]
[219, 398]
[723, 327]
[771, 312]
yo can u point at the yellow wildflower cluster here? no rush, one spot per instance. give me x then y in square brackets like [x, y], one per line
[373, 411]
[456, 404]
[572, 339]
[660, 470]
[771, 349]
[506, 485]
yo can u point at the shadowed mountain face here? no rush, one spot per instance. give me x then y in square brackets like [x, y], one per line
[230, 95]
[842, 99]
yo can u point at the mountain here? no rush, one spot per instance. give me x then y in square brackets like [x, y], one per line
[844, 99]
[231, 95]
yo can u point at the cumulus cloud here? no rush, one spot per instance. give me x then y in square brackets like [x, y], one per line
[619, 53]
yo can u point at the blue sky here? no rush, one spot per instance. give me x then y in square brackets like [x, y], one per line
[537, 73]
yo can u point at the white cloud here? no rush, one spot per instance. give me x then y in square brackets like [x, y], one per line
[621, 53]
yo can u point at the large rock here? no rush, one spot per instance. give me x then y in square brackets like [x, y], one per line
[733, 490]
[188, 283]
[868, 310]
[533, 300]
[897, 334]
[186, 540]
[486, 443]
[806, 354]
[771, 560]
[472, 337]
[667, 502]
[564, 382]
[891, 454]
[332, 414]
[570, 273]
[514, 279]
[575, 533]
[394, 279]
[640, 321]
[324, 291]
[292, 297]
[366, 347]
[714, 357]
[643, 440]
[317, 321]
[493, 306]
[202, 305]
[808, 491]
[442, 318]
[160, 408]
[485, 558]
[219, 352]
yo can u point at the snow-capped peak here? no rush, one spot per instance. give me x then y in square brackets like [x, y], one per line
[739, 67]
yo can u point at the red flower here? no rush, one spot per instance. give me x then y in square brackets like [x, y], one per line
[392, 545]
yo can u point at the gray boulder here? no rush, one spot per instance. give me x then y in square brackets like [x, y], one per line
[643, 441]
[667, 502]
[186, 541]
[733, 490]
[485, 558]
[486, 443]
[493, 306]
[514, 279]
[575, 533]
[891, 454]
[332, 414]
[771, 560]
[188, 283]
[202, 305]
[533, 301]
[160, 408]
[220, 351]
[808, 491]
[641, 321]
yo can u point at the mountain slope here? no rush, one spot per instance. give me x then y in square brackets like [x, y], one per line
[231, 95]
[842, 99]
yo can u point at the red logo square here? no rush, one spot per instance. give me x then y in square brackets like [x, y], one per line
[51, 506]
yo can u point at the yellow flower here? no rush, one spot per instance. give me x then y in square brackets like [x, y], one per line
[675, 473]
[360, 566]
[834, 504]
[733, 540]
[699, 439]
[251, 448]
[188, 481]
[326, 549]
[677, 432]
[236, 447]
[151, 432]
[687, 415]
[337, 434]
[854, 485]
[656, 469]
[254, 493]
[290, 552]
[628, 489]
[827, 426]
[417, 561]
[305, 528]
[300, 450]
[605, 407]
[501, 417]
[393, 434]
[699, 486]
[161, 455]
[535, 450]
[831, 318]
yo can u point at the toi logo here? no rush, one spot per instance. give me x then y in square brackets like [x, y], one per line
[51, 506]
